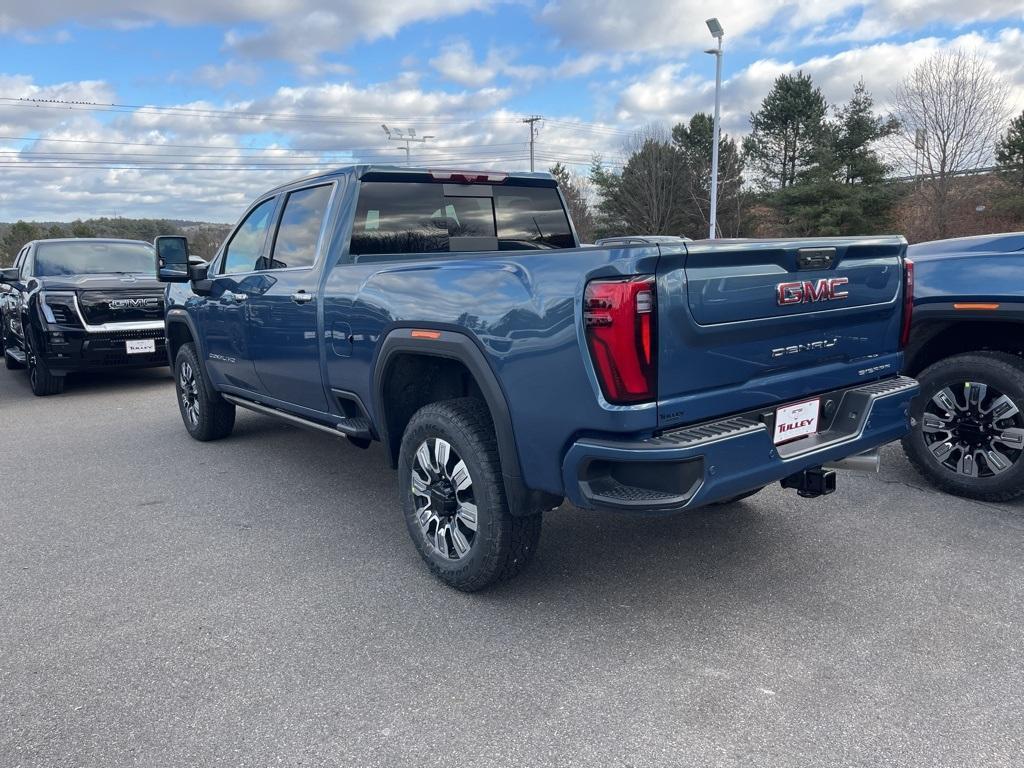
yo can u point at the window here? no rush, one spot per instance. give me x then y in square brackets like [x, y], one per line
[531, 217]
[298, 234]
[243, 253]
[400, 217]
[91, 257]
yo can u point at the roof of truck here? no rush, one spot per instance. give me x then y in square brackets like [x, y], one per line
[398, 171]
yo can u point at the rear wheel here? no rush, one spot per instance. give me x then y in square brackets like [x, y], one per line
[968, 433]
[207, 415]
[453, 497]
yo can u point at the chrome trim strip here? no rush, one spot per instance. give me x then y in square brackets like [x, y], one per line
[144, 325]
[268, 411]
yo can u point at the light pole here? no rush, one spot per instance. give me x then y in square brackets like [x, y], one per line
[717, 32]
[408, 136]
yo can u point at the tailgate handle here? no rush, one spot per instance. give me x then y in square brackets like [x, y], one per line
[815, 258]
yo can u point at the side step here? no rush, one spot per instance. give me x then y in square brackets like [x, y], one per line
[357, 427]
[291, 418]
[16, 355]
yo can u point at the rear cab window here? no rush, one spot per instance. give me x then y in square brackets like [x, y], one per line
[395, 218]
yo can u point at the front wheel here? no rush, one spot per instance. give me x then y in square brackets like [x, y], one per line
[42, 381]
[968, 426]
[453, 497]
[207, 415]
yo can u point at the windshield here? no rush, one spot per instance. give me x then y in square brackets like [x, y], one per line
[92, 257]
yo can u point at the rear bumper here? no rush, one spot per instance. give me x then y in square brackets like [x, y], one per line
[697, 465]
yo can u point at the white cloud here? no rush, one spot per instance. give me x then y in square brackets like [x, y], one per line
[457, 62]
[668, 25]
[298, 31]
[672, 92]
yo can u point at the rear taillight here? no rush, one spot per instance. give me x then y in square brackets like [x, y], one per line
[908, 302]
[619, 316]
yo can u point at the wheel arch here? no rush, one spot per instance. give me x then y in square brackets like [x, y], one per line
[414, 370]
[180, 330]
[937, 339]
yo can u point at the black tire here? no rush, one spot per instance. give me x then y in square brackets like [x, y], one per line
[43, 382]
[1001, 373]
[207, 415]
[501, 545]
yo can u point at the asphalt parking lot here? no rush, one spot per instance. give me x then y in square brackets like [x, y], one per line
[256, 602]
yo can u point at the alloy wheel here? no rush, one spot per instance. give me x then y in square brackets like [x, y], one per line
[445, 504]
[189, 389]
[974, 430]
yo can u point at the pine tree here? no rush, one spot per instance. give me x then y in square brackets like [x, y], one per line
[695, 140]
[787, 131]
[1010, 153]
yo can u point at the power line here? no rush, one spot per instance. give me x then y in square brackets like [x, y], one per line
[92, 106]
[222, 147]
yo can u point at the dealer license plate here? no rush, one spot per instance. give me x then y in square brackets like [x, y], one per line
[797, 420]
[140, 346]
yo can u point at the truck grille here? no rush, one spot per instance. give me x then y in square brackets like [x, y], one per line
[100, 307]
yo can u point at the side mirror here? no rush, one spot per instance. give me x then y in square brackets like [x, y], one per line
[172, 264]
[10, 276]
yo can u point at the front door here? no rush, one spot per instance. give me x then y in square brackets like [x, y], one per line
[284, 313]
[225, 314]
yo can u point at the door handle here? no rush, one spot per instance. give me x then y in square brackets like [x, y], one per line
[302, 297]
[237, 298]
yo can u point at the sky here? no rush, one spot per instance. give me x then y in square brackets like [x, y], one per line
[188, 109]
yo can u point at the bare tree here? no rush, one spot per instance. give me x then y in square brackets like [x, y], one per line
[951, 109]
[649, 196]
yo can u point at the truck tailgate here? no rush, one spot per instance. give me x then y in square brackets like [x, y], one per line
[745, 324]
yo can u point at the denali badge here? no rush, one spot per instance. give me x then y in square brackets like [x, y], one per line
[806, 292]
[808, 347]
[148, 303]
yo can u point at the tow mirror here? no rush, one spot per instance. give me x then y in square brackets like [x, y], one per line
[172, 263]
[10, 275]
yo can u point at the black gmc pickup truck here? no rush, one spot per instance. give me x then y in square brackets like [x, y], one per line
[80, 304]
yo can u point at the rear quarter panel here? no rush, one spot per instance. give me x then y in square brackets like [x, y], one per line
[524, 312]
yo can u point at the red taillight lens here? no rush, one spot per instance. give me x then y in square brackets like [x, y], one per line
[619, 316]
[908, 302]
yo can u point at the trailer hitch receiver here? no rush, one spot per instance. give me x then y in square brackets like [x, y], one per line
[812, 482]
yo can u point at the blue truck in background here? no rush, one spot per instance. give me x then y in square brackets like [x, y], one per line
[967, 347]
[454, 317]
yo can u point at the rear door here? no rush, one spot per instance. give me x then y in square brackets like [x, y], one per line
[744, 323]
[283, 312]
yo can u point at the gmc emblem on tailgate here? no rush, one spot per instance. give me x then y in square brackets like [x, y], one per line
[806, 292]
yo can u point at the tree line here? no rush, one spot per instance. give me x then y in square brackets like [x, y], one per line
[810, 168]
[204, 239]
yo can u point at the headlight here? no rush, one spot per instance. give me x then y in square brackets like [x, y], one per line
[58, 308]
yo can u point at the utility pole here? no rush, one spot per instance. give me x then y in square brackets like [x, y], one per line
[532, 122]
[406, 135]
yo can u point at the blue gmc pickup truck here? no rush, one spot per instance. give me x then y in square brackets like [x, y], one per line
[454, 317]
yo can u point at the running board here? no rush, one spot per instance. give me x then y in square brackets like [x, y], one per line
[16, 355]
[266, 410]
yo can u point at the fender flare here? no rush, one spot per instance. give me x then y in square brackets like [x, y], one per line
[178, 316]
[456, 345]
